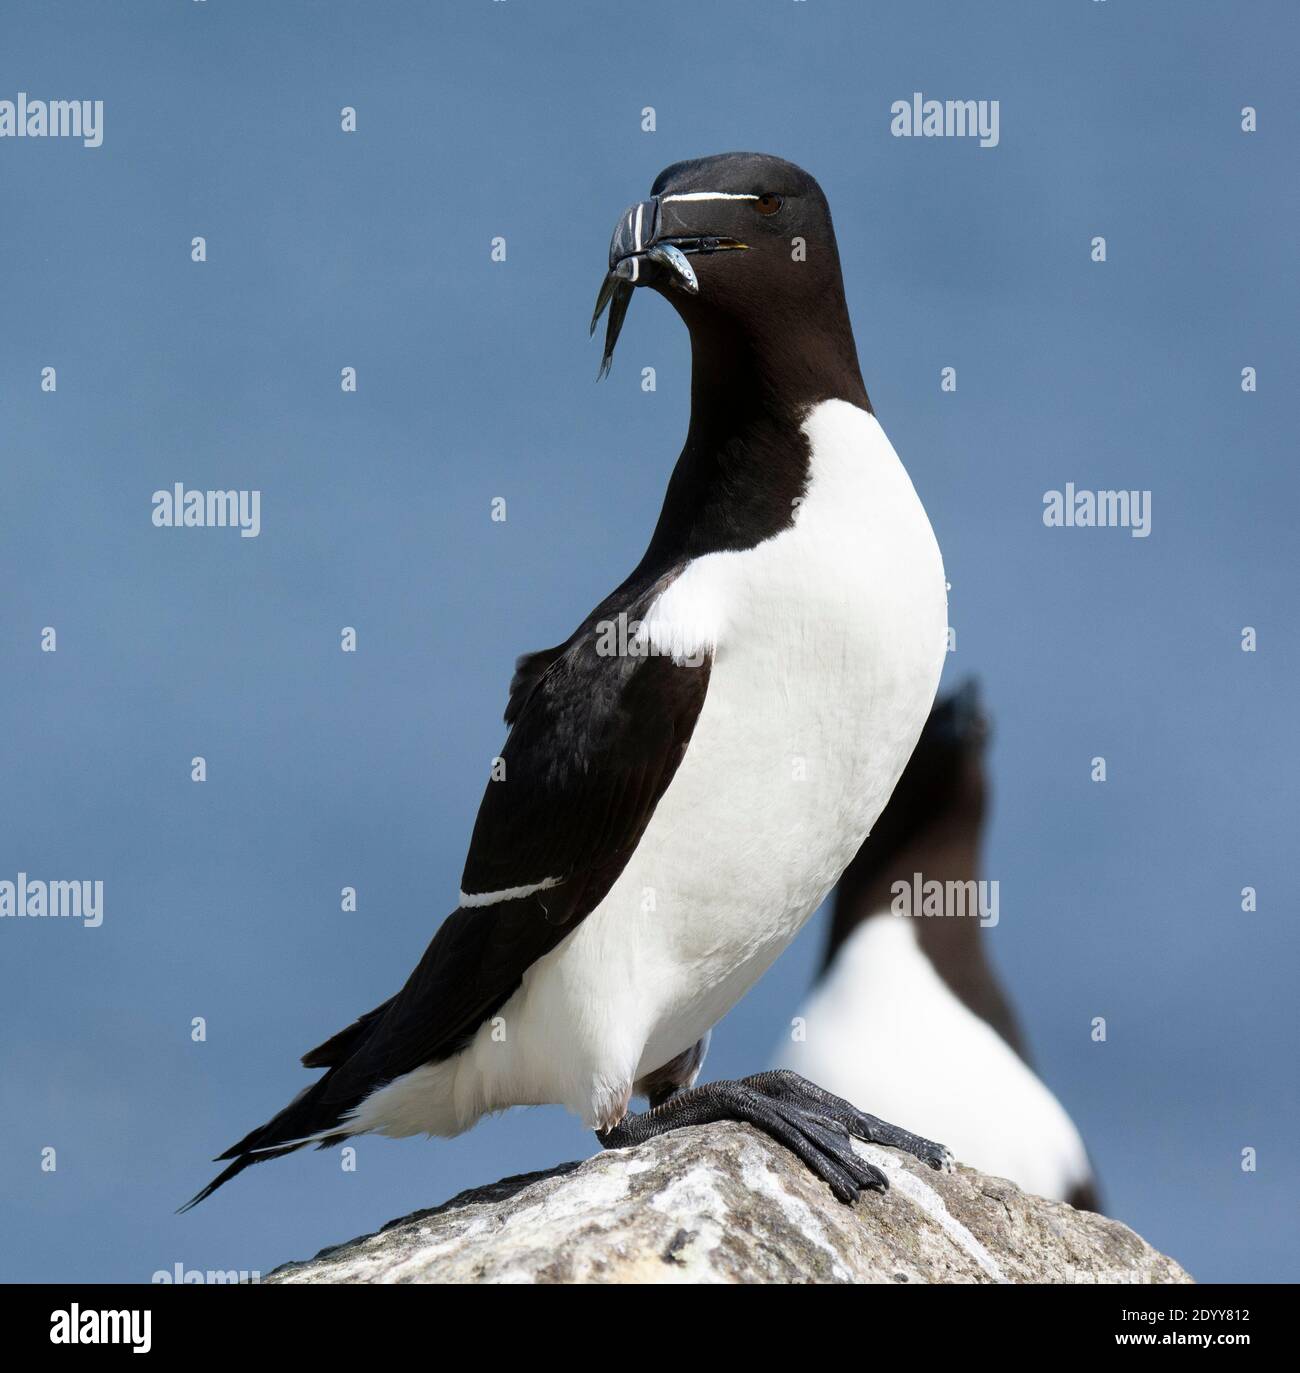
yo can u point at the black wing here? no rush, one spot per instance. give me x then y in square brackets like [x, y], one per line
[596, 738]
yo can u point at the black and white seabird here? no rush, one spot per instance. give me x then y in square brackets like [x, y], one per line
[908, 1013]
[680, 797]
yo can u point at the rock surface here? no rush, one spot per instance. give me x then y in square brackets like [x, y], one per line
[725, 1204]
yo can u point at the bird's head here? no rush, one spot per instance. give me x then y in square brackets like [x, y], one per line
[739, 238]
[946, 772]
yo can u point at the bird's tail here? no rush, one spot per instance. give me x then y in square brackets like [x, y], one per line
[233, 1170]
[305, 1120]
[310, 1118]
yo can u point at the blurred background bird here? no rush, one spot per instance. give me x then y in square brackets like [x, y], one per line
[907, 1012]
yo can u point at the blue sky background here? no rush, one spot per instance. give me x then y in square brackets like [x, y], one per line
[476, 380]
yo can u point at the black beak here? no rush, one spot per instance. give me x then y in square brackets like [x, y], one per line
[641, 253]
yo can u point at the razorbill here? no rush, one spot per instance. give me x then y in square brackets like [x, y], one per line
[690, 771]
[908, 1013]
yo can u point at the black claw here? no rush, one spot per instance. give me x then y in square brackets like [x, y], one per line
[784, 1085]
[813, 1124]
[833, 1140]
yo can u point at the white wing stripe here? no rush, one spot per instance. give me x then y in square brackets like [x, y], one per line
[490, 898]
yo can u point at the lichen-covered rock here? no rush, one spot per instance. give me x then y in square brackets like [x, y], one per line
[725, 1204]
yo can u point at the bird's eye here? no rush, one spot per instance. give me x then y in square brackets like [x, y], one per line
[768, 203]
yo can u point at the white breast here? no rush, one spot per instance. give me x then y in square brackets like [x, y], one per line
[827, 642]
[884, 1030]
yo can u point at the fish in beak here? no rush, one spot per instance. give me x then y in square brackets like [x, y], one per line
[651, 246]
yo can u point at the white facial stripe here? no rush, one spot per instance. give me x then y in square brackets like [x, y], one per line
[706, 195]
[637, 231]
